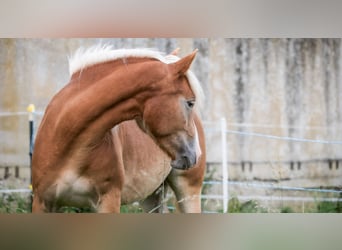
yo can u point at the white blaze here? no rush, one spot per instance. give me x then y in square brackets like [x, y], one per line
[197, 145]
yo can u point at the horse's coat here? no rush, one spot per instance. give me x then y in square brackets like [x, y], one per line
[74, 161]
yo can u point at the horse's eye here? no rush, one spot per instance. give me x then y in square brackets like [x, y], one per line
[190, 103]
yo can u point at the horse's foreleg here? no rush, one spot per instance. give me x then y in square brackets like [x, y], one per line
[187, 188]
[188, 198]
[38, 205]
[110, 202]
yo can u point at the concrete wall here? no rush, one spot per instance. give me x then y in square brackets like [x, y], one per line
[284, 87]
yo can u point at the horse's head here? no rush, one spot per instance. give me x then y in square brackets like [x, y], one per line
[168, 116]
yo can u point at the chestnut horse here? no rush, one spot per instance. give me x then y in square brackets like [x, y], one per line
[74, 160]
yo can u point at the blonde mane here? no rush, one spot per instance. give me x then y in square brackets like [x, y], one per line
[83, 58]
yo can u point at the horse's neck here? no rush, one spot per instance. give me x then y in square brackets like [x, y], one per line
[95, 107]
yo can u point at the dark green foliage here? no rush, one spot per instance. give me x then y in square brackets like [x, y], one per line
[235, 206]
[15, 203]
[286, 210]
[329, 207]
[133, 209]
[76, 210]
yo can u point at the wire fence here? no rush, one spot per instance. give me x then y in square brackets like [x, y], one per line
[226, 183]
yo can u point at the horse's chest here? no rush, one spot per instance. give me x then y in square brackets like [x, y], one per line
[142, 181]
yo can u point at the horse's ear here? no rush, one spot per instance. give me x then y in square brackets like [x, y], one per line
[175, 52]
[182, 66]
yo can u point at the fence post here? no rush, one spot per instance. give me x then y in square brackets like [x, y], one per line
[224, 165]
[31, 109]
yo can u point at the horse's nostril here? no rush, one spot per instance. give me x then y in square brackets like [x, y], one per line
[184, 162]
[187, 162]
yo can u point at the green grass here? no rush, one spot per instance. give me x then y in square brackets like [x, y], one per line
[133, 209]
[15, 203]
[235, 206]
[329, 207]
[19, 203]
[286, 210]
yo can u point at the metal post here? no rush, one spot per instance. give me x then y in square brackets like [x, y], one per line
[31, 109]
[224, 165]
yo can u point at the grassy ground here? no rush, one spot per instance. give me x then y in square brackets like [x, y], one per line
[235, 206]
[20, 203]
[15, 203]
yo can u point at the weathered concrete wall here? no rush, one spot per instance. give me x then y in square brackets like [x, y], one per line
[283, 87]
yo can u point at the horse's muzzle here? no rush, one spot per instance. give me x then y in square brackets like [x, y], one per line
[184, 162]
